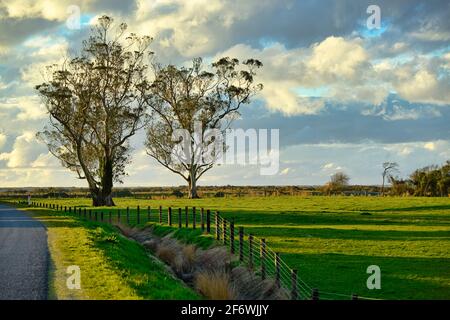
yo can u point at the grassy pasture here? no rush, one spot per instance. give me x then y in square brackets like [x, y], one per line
[332, 240]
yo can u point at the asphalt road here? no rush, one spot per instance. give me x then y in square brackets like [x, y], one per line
[23, 256]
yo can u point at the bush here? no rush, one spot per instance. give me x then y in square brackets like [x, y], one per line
[178, 193]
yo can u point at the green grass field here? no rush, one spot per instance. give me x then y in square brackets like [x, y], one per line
[332, 240]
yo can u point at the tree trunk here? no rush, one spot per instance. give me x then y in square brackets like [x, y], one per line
[193, 188]
[103, 196]
[382, 186]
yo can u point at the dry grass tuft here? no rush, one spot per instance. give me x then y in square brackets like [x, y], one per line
[168, 250]
[208, 271]
[189, 253]
[213, 259]
[250, 286]
[215, 285]
[152, 244]
[166, 254]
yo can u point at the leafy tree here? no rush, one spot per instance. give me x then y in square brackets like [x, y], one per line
[196, 102]
[389, 168]
[431, 181]
[400, 187]
[96, 103]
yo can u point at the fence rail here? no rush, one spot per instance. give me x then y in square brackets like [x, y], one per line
[250, 250]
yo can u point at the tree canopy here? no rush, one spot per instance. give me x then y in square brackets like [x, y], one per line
[96, 103]
[191, 109]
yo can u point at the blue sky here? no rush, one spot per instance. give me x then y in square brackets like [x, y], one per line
[345, 98]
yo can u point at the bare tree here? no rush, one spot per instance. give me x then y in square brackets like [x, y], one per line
[337, 182]
[389, 168]
[96, 103]
[197, 102]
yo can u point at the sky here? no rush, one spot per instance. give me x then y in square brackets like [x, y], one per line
[345, 97]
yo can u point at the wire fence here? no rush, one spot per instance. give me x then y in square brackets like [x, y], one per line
[250, 251]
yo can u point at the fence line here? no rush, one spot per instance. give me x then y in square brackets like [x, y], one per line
[250, 250]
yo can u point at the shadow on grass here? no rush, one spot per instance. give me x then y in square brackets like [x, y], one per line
[401, 278]
[330, 233]
[411, 209]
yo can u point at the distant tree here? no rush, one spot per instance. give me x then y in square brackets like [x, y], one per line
[178, 193]
[431, 181]
[196, 102]
[389, 168]
[96, 103]
[219, 194]
[400, 187]
[444, 180]
[337, 183]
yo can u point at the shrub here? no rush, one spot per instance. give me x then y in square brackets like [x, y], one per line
[178, 193]
[215, 285]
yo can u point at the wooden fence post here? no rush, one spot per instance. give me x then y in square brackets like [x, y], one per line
[169, 217]
[277, 269]
[138, 216]
[84, 213]
[250, 251]
[96, 215]
[128, 215]
[202, 219]
[241, 244]
[110, 217]
[186, 213]
[160, 214]
[101, 216]
[70, 209]
[224, 231]
[179, 218]
[148, 213]
[315, 294]
[294, 289]
[118, 216]
[193, 218]
[90, 214]
[208, 221]
[217, 226]
[232, 237]
[263, 258]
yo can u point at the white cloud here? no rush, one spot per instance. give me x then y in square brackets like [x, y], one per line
[331, 167]
[3, 139]
[47, 9]
[423, 86]
[334, 62]
[430, 146]
[25, 151]
[336, 59]
[29, 108]
[46, 160]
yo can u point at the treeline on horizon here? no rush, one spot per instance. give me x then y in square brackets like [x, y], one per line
[430, 181]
